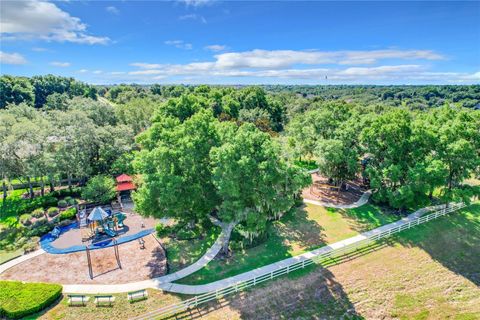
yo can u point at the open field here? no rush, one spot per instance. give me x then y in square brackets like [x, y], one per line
[309, 228]
[428, 272]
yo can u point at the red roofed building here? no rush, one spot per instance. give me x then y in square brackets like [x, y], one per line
[125, 183]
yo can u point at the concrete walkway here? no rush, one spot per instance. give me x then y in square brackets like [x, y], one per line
[165, 284]
[25, 257]
[220, 284]
[157, 282]
[360, 202]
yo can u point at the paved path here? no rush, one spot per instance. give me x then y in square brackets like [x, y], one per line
[220, 284]
[165, 284]
[14, 262]
[157, 282]
[360, 202]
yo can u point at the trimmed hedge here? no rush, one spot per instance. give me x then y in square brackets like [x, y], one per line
[68, 214]
[62, 204]
[52, 212]
[19, 299]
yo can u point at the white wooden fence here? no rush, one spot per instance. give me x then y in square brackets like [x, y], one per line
[170, 310]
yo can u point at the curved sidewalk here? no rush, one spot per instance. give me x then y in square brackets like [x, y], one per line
[156, 282]
[161, 283]
[360, 202]
[25, 257]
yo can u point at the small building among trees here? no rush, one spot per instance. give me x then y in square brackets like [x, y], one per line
[125, 186]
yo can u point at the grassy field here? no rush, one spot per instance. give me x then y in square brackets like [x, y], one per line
[9, 255]
[428, 272]
[309, 228]
[182, 253]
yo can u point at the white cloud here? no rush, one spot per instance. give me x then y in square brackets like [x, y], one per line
[12, 58]
[216, 47]
[97, 72]
[33, 19]
[193, 16]
[287, 58]
[60, 64]
[179, 44]
[310, 66]
[83, 71]
[112, 10]
[197, 3]
[144, 65]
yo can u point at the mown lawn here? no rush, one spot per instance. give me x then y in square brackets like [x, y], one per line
[9, 255]
[308, 228]
[428, 272]
[122, 308]
[182, 253]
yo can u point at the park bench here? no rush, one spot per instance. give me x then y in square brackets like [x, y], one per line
[137, 295]
[104, 300]
[77, 299]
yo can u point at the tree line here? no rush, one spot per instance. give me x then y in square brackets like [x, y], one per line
[407, 155]
[231, 152]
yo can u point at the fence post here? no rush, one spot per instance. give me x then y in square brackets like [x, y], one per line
[271, 275]
[288, 268]
[254, 281]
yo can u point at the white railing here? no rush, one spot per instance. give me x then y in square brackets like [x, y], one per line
[172, 309]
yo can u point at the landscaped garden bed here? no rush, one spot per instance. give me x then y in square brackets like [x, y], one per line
[24, 220]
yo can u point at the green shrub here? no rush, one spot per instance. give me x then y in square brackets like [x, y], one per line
[68, 214]
[40, 221]
[19, 299]
[75, 192]
[40, 228]
[163, 230]
[186, 234]
[52, 212]
[31, 245]
[70, 201]
[25, 219]
[62, 204]
[38, 213]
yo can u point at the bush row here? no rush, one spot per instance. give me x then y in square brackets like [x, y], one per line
[19, 299]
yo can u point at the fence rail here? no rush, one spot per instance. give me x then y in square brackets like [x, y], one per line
[170, 310]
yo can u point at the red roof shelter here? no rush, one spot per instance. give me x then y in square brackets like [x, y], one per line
[125, 183]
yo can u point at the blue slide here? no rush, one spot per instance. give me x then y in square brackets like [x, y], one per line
[110, 232]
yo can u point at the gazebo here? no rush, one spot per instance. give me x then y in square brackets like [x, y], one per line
[125, 186]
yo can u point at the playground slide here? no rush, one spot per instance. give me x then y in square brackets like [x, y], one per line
[110, 232]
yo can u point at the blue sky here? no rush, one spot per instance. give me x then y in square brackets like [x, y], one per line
[233, 42]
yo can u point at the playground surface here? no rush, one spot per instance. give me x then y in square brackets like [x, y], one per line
[70, 239]
[321, 191]
[137, 264]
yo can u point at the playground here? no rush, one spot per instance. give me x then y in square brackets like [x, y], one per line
[76, 237]
[138, 262]
[323, 191]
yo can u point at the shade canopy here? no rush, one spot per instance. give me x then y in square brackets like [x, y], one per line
[97, 214]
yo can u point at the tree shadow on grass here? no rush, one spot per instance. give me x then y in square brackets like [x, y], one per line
[158, 263]
[367, 217]
[292, 234]
[317, 295]
[452, 240]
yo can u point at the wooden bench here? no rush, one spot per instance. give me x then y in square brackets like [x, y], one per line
[137, 295]
[77, 299]
[104, 300]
